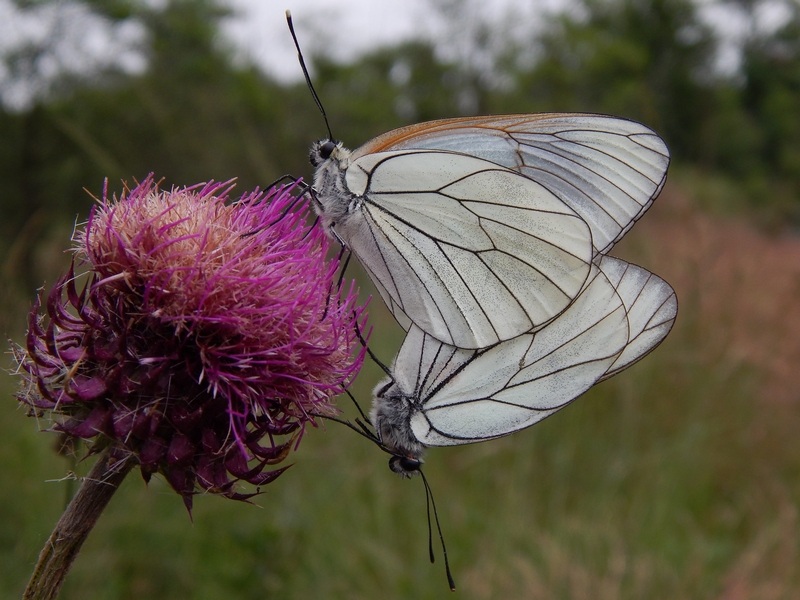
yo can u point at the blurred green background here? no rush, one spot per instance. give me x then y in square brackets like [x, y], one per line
[679, 478]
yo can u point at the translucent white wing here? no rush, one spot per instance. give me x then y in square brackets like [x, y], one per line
[651, 304]
[454, 396]
[470, 252]
[609, 170]
[424, 363]
[445, 396]
[560, 363]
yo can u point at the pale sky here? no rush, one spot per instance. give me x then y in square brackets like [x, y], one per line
[75, 40]
[72, 39]
[347, 28]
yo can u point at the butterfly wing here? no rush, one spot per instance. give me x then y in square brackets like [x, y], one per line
[443, 395]
[423, 362]
[514, 384]
[651, 305]
[608, 170]
[470, 252]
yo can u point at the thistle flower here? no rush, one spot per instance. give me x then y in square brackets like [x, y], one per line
[205, 335]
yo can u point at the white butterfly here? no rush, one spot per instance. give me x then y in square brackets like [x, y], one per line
[440, 395]
[479, 229]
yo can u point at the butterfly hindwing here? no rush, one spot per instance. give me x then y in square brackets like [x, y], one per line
[651, 305]
[455, 396]
[559, 363]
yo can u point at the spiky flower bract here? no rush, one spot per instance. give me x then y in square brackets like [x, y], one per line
[200, 336]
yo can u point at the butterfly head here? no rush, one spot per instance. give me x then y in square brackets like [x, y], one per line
[405, 466]
[324, 150]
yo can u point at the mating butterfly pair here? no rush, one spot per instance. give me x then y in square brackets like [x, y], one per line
[487, 239]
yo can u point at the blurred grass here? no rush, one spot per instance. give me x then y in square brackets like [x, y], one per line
[676, 479]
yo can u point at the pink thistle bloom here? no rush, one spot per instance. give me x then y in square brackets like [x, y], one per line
[205, 336]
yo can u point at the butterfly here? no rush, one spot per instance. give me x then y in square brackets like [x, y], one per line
[441, 395]
[479, 229]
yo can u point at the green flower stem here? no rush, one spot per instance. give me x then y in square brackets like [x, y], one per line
[73, 527]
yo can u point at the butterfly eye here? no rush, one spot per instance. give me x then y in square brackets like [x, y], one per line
[326, 149]
[404, 466]
[321, 151]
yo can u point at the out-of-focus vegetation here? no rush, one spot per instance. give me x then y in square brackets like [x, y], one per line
[679, 478]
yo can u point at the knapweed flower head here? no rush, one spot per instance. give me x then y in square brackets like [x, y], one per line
[201, 336]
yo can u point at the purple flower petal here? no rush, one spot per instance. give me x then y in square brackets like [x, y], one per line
[88, 388]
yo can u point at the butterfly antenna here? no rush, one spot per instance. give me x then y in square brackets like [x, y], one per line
[307, 76]
[364, 431]
[429, 502]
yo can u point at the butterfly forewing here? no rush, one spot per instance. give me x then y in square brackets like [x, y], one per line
[470, 252]
[609, 170]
